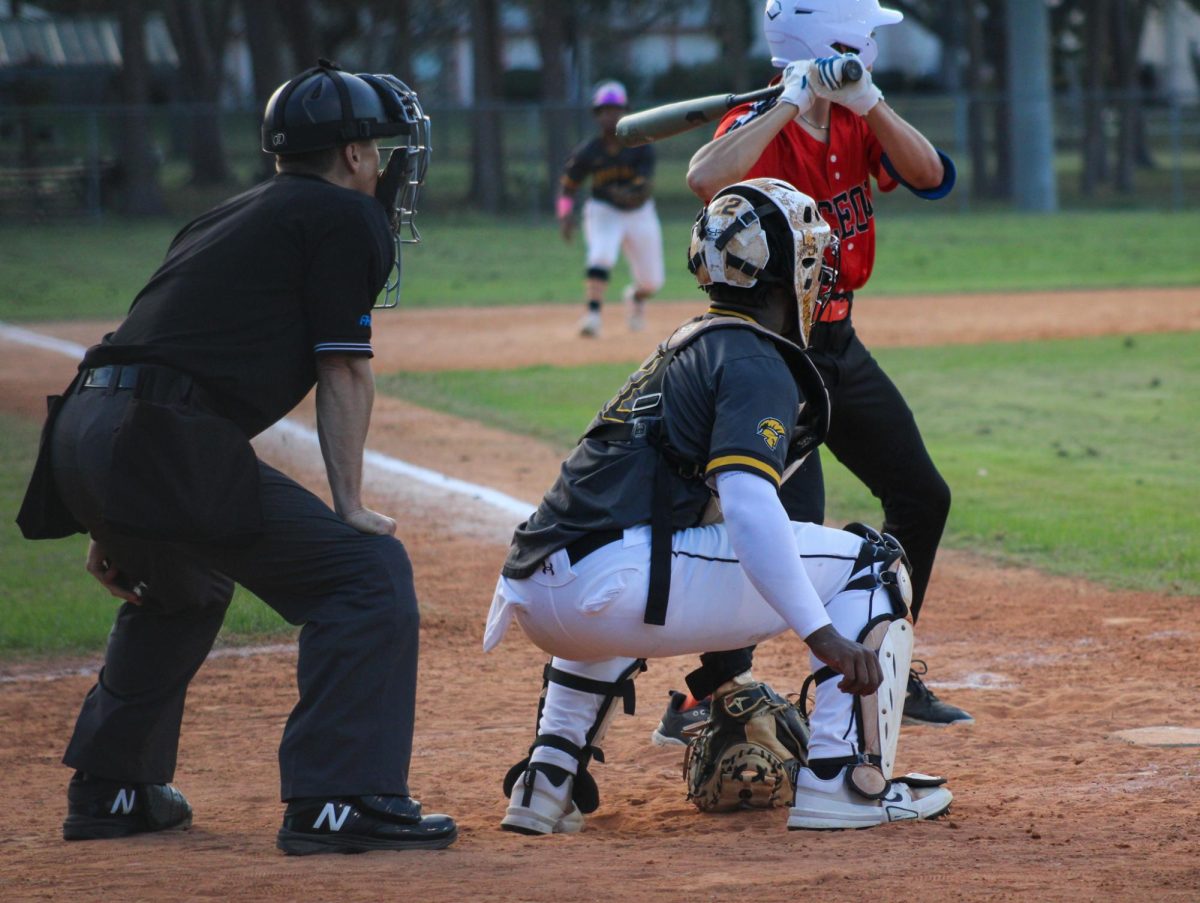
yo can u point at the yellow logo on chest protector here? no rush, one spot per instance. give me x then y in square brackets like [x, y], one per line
[772, 431]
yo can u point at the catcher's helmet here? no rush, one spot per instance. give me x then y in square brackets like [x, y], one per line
[808, 29]
[764, 231]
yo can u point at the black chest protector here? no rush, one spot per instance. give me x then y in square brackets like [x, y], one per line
[637, 416]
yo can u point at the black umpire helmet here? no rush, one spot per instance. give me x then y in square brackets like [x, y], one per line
[325, 107]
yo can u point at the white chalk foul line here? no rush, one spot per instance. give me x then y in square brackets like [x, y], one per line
[298, 431]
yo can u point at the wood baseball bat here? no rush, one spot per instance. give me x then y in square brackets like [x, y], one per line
[683, 116]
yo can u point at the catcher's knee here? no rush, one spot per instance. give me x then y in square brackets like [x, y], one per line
[620, 691]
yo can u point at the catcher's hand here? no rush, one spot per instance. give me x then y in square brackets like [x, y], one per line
[825, 76]
[858, 665]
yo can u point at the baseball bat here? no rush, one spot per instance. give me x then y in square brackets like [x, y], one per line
[683, 116]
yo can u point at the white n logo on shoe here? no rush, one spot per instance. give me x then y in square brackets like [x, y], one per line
[124, 801]
[330, 815]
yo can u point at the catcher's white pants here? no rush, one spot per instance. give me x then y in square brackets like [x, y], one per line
[638, 233]
[589, 616]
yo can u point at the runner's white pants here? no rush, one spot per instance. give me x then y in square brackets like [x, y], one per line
[589, 616]
[638, 233]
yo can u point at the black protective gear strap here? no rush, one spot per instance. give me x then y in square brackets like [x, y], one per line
[623, 687]
[744, 221]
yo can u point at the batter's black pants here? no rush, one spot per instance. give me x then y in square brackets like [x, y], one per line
[350, 733]
[874, 434]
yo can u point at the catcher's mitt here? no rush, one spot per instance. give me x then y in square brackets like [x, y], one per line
[748, 752]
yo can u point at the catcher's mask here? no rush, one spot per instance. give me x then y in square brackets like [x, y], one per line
[808, 29]
[733, 236]
[325, 107]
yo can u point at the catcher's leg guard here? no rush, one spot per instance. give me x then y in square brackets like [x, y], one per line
[882, 572]
[551, 789]
[749, 752]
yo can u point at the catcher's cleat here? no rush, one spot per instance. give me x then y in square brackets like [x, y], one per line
[834, 804]
[921, 706]
[360, 824]
[541, 803]
[679, 725]
[99, 809]
[589, 326]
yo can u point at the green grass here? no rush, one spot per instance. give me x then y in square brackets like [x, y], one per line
[1077, 457]
[72, 270]
[48, 603]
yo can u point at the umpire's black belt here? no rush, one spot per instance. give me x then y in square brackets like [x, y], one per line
[590, 542]
[117, 376]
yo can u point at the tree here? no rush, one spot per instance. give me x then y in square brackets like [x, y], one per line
[140, 194]
[487, 122]
[554, 28]
[199, 31]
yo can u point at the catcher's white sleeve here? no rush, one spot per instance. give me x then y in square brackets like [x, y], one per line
[765, 544]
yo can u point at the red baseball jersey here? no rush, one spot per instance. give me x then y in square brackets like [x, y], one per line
[835, 175]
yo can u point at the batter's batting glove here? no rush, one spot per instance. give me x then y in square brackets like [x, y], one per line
[825, 76]
[796, 89]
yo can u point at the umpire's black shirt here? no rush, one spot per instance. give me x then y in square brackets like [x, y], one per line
[252, 291]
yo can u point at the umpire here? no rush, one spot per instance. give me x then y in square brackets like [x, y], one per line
[148, 451]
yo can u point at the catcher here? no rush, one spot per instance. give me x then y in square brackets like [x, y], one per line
[664, 535]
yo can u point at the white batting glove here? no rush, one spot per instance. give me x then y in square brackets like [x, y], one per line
[825, 79]
[796, 88]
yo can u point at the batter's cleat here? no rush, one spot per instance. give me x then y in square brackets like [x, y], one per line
[635, 309]
[921, 706]
[100, 809]
[541, 803]
[361, 824]
[589, 326]
[679, 725]
[833, 805]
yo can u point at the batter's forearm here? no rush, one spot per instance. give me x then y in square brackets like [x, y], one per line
[345, 395]
[910, 152]
[727, 159]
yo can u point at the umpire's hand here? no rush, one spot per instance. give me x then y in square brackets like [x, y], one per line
[858, 665]
[364, 520]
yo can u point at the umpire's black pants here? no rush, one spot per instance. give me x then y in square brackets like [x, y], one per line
[351, 731]
[874, 434]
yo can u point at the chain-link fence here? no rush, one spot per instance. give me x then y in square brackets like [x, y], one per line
[64, 160]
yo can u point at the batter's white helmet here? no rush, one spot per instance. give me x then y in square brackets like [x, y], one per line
[731, 244]
[808, 29]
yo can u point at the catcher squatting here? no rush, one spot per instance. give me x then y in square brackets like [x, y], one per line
[605, 574]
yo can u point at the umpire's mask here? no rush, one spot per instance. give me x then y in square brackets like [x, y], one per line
[325, 107]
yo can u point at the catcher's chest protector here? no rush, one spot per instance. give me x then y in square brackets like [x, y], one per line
[636, 414]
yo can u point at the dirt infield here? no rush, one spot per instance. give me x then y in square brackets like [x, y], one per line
[1049, 805]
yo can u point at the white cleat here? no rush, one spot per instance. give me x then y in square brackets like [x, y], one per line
[542, 808]
[834, 805]
[589, 326]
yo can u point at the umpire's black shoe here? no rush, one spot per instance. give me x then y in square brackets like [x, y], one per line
[921, 706]
[359, 824]
[99, 808]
